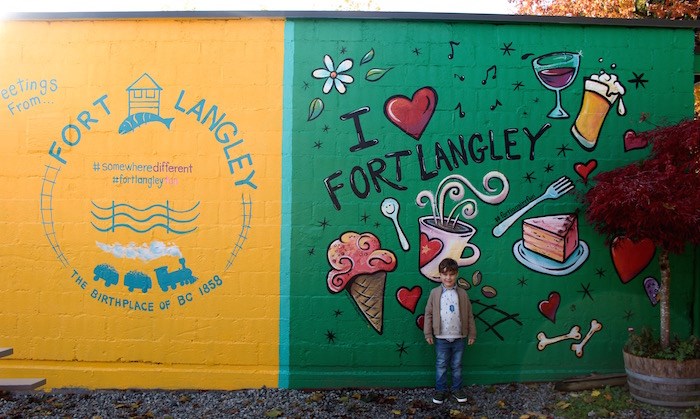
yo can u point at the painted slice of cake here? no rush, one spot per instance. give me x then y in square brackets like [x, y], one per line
[552, 236]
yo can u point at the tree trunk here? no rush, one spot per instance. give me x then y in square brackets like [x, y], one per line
[665, 293]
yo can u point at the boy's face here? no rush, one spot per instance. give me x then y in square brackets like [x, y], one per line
[448, 278]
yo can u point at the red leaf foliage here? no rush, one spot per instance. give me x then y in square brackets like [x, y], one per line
[657, 198]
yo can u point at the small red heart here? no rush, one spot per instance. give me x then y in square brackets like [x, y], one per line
[549, 307]
[634, 142]
[584, 170]
[412, 115]
[631, 258]
[408, 298]
[420, 321]
[428, 249]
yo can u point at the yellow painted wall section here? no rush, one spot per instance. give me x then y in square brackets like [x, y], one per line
[140, 202]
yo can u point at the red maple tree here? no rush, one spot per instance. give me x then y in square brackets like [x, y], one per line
[630, 9]
[657, 198]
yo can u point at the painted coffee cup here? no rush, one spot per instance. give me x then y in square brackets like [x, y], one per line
[444, 240]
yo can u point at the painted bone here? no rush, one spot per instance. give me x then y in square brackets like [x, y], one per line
[578, 347]
[574, 333]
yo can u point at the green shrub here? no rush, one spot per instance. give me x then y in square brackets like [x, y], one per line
[645, 344]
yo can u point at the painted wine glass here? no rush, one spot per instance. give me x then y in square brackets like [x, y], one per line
[556, 71]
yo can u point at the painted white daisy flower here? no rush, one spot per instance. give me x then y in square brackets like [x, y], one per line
[334, 76]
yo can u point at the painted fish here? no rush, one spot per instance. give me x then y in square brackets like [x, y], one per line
[134, 121]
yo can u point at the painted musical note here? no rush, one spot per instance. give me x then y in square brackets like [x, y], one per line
[459, 107]
[493, 67]
[498, 103]
[452, 49]
[461, 78]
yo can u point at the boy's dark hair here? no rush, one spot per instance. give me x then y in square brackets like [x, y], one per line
[448, 265]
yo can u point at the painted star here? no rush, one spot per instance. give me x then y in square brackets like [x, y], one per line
[338, 313]
[637, 80]
[528, 177]
[330, 335]
[364, 218]
[586, 291]
[600, 272]
[416, 51]
[311, 251]
[537, 100]
[507, 48]
[522, 281]
[324, 223]
[317, 144]
[548, 168]
[326, 128]
[518, 85]
[376, 224]
[306, 86]
[343, 50]
[572, 307]
[628, 315]
[425, 250]
[563, 149]
[401, 348]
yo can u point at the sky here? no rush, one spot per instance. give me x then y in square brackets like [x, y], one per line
[436, 6]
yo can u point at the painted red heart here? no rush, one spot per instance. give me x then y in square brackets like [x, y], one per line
[420, 321]
[412, 115]
[584, 170]
[630, 258]
[549, 307]
[408, 298]
[634, 142]
[429, 248]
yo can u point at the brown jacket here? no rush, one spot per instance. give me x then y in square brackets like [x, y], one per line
[431, 325]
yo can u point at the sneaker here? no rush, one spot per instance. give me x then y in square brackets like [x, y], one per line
[439, 397]
[460, 395]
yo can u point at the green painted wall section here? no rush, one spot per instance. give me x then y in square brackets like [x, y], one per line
[429, 103]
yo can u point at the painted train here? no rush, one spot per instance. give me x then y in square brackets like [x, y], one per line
[182, 276]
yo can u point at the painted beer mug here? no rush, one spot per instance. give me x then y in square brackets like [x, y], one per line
[601, 92]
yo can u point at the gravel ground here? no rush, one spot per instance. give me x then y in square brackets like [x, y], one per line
[493, 401]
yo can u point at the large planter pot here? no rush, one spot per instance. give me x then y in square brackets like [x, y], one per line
[663, 382]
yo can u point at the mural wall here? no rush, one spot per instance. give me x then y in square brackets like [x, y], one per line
[141, 201]
[243, 202]
[475, 142]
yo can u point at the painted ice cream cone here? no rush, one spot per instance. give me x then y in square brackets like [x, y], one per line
[360, 267]
[368, 293]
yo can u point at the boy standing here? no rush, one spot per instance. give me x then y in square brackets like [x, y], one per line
[448, 321]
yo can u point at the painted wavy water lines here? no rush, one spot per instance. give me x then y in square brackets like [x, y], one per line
[142, 220]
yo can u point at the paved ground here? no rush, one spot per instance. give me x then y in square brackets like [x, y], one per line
[522, 401]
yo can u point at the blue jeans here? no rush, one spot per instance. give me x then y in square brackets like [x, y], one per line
[448, 353]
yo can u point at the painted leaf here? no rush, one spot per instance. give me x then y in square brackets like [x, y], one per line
[315, 109]
[376, 74]
[368, 57]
